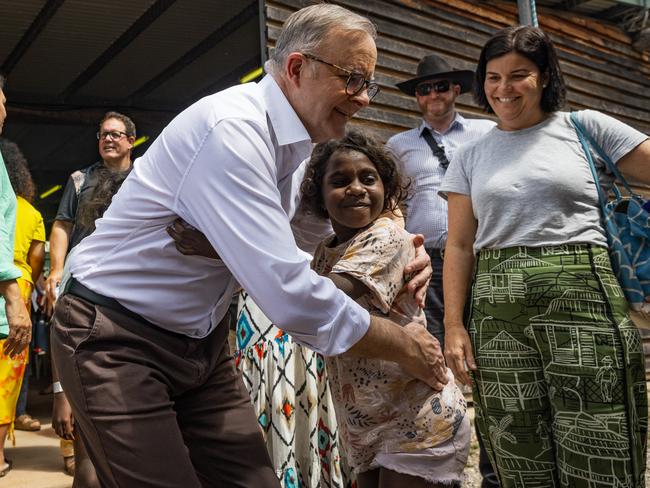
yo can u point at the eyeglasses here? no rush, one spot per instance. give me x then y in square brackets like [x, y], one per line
[442, 86]
[114, 135]
[355, 82]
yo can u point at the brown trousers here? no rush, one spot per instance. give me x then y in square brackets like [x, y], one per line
[157, 409]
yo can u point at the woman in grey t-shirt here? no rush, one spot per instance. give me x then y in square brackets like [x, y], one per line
[559, 380]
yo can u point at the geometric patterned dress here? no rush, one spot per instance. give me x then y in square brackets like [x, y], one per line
[559, 391]
[291, 396]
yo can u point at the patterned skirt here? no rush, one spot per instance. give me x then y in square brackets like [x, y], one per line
[560, 389]
[290, 393]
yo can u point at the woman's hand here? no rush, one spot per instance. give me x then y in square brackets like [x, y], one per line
[190, 241]
[458, 352]
[421, 265]
[62, 419]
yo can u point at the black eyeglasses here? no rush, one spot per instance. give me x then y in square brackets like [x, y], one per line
[355, 81]
[442, 86]
[114, 135]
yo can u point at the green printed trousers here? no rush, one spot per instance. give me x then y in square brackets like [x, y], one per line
[560, 390]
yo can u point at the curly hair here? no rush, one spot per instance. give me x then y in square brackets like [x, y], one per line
[534, 44]
[17, 169]
[108, 182]
[395, 187]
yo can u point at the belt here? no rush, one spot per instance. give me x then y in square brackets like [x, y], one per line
[77, 289]
[435, 252]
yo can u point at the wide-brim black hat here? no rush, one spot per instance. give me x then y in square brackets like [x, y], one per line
[433, 66]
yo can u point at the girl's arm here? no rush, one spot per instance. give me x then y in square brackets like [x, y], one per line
[636, 163]
[456, 278]
[349, 285]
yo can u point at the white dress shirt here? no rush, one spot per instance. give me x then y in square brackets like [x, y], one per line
[226, 166]
[426, 212]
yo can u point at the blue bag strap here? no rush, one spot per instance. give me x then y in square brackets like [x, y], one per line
[584, 135]
[602, 198]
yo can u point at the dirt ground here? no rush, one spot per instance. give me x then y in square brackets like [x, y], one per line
[38, 464]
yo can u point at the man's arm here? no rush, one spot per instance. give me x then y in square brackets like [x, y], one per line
[59, 242]
[409, 346]
[412, 346]
[238, 206]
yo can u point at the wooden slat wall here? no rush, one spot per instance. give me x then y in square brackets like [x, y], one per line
[601, 68]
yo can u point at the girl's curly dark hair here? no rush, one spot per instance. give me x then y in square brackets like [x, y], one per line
[395, 187]
[108, 182]
[17, 169]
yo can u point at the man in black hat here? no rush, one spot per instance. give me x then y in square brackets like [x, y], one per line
[424, 154]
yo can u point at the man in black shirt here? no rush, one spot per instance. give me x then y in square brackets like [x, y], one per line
[85, 198]
[115, 137]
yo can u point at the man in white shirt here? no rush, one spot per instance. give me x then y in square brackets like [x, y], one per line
[143, 365]
[424, 154]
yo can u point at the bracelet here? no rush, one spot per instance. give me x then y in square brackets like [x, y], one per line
[56, 387]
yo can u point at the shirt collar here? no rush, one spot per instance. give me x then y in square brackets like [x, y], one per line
[287, 127]
[458, 123]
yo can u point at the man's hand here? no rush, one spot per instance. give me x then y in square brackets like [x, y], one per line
[62, 419]
[428, 362]
[20, 325]
[421, 265]
[458, 351]
[190, 241]
[51, 286]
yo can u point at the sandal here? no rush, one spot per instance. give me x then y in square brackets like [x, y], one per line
[6, 468]
[27, 422]
[69, 465]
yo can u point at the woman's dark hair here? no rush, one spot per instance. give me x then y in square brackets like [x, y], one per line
[19, 175]
[535, 45]
[108, 182]
[395, 189]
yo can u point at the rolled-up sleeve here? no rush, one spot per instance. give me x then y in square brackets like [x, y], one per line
[230, 193]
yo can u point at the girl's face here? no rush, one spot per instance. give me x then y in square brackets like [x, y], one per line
[353, 193]
[513, 86]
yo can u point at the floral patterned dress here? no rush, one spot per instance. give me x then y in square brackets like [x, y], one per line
[379, 407]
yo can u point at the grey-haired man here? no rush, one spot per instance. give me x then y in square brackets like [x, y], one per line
[140, 356]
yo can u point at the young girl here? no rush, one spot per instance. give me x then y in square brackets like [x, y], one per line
[395, 430]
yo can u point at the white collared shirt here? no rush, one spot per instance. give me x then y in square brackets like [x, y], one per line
[426, 212]
[226, 166]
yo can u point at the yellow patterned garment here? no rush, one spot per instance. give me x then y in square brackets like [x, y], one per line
[379, 407]
[12, 371]
[29, 228]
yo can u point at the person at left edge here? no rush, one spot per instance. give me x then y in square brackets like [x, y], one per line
[15, 324]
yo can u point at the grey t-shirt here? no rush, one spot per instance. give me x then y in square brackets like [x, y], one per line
[533, 186]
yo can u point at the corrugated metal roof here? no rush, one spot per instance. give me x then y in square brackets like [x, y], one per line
[69, 61]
